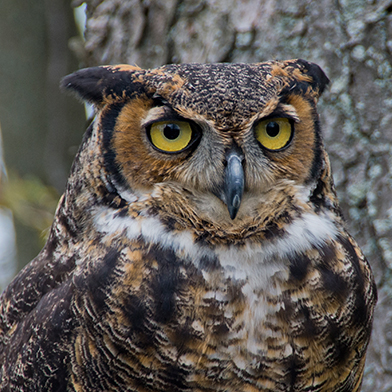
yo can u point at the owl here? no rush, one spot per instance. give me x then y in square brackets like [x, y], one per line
[199, 244]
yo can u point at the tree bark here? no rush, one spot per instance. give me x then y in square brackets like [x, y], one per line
[351, 40]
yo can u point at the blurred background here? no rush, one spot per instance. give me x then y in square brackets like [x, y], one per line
[42, 41]
[41, 128]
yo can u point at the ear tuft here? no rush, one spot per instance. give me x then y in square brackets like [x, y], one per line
[319, 79]
[97, 83]
[86, 83]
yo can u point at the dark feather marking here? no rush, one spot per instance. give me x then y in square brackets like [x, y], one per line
[203, 238]
[68, 226]
[101, 277]
[137, 313]
[165, 283]
[318, 162]
[318, 195]
[294, 368]
[183, 335]
[175, 376]
[234, 291]
[299, 266]
[334, 283]
[221, 330]
[112, 198]
[209, 264]
[361, 313]
[272, 231]
[169, 223]
[107, 126]
[122, 212]
[310, 329]
[341, 347]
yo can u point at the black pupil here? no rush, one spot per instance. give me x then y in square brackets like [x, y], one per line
[272, 129]
[171, 131]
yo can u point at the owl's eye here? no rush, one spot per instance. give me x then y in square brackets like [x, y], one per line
[171, 136]
[274, 134]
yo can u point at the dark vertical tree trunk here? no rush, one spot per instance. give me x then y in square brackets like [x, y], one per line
[39, 124]
[351, 40]
[23, 120]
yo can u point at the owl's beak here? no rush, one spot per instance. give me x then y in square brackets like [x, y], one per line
[233, 182]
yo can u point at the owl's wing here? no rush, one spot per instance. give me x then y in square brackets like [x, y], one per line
[35, 321]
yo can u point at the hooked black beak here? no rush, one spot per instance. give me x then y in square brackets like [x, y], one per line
[233, 187]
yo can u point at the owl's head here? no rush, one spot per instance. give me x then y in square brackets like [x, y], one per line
[214, 142]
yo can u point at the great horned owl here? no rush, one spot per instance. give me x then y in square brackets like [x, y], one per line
[199, 244]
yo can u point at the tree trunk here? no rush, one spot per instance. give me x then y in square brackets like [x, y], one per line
[351, 40]
[41, 127]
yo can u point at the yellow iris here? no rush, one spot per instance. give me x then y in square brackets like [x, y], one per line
[170, 136]
[274, 133]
